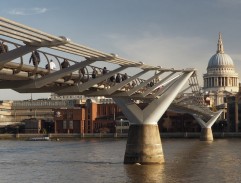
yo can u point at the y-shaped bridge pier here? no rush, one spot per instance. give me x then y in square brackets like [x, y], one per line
[194, 105]
[155, 86]
[206, 133]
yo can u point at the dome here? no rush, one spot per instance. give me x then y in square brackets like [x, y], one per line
[221, 76]
[220, 60]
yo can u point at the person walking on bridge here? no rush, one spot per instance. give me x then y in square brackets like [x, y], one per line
[52, 65]
[94, 73]
[3, 48]
[124, 77]
[118, 78]
[104, 71]
[35, 58]
[65, 64]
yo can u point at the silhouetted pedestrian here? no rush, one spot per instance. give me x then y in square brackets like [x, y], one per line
[82, 73]
[104, 71]
[112, 78]
[118, 78]
[133, 84]
[94, 73]
[65, 64]
[35, 58]
[3, 48]
[151, 84]
[124, 77]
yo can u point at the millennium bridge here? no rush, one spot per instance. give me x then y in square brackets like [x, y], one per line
[127, 82]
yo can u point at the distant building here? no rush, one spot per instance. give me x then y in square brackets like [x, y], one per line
[75, 114]
[221, 79]
[234, 112]
[30, 116]
[98, 115]
[94, 116]
[221, 75]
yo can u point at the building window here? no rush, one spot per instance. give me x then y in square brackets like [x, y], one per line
[64, 124]
[71, 125]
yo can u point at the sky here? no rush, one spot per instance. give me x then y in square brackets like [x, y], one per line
[169, 33]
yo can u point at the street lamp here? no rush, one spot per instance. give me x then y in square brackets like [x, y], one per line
[121, 124]
[57, 114]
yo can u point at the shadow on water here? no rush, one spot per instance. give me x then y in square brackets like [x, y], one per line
[144, 173]
[183, 163]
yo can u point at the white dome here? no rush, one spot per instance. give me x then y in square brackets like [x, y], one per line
[221, 75]
[220, 60]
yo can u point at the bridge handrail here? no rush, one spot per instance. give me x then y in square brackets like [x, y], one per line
[35, 37]
[44, 71]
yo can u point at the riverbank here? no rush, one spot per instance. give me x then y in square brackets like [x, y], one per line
[55, 136]
[112, 135]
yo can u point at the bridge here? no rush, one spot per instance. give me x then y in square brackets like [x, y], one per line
[159, 88]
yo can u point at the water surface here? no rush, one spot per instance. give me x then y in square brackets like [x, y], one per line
[101, 160]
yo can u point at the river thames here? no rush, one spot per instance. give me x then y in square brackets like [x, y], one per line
[101, 160]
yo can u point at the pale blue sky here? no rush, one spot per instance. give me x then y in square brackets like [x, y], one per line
[169, 33]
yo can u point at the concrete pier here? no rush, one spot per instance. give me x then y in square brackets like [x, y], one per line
[206, 134]
[144, 145]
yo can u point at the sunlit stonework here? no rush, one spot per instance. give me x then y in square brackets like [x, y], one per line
[221, 79]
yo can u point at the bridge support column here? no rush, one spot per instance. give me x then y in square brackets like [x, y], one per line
[144, 145]
[144, 141]
[206, 134]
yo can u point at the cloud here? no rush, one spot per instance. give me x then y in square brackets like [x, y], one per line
[168, 52]
[162, 50]
[23, 11]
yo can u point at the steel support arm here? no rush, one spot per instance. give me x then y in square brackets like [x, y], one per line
[16, 53]
[84, 86]
[40, 82]
[153, 112]
[210, 123]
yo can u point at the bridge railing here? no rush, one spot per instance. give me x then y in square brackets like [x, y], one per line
[82, 75]
[37, 77]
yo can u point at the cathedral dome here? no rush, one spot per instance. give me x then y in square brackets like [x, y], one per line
[220, 59]
[221, 75]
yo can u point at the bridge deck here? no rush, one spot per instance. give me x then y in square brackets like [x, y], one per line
[17, 74]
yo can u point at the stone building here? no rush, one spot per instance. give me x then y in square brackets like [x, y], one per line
[221, 79]
[234, 112]
[92, 116]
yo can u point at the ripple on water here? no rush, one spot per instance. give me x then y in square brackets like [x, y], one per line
[186, 160]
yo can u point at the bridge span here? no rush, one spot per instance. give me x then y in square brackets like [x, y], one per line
[154, 85]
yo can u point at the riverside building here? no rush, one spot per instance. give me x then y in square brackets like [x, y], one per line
[221, 79]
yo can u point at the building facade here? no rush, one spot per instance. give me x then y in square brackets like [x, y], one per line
[221, 79]
[220, 83]
[234, 112]
[93, 116]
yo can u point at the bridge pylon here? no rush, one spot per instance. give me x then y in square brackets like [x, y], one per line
[206, 131]
[144, 143]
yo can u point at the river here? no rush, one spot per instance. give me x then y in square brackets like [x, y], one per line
[101, 161]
